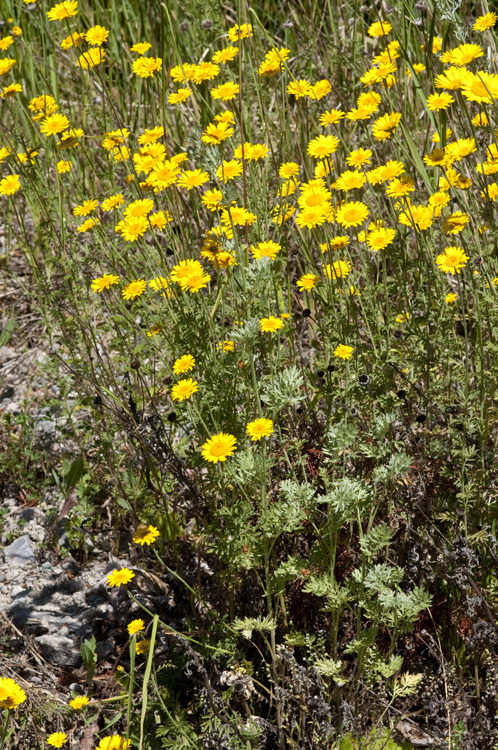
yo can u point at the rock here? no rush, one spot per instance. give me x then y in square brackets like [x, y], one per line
[20, 552]
[12, 408]
[58, 650]
[46, 566]
[7, 392]
[16, 590]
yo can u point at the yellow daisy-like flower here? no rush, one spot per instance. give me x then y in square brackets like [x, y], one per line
[266, 249]
[120, 577]
[53, 124]
[134, 289]
[270, 324]
[219, 447]
[437, 102]
[114, 742]
[216, 132]
[225, 55]
[235, 33]
[6, 64]
[184, 364]
[104, 282]
[380, 238]
[9, 91]
[225, 91]
[88, 224]
[330, 117]
[379, 28]
[59, 12]
[384, 127]
[323, 146]
[450, 298]
[92, 57]
[79, 702]
[225, 346]
[259, 428]
[96, 35]
[57, 739]
[109, 204]
[145, 535]
[337, 270]
[135, 626]
[180, 96]
[288, 170]
[455, 222]
[63, 166]
[212, 199]
[307, 282]
[141, 47]
[11, 695]
[142, 647]
[352, 214]
[343, 351]
[483, 23]
[184, 389]
[452, 260]
[359, 158]
[10, 184]
[229, 170]
[146, 67]
[86, 207]
[6, 42]
[192, 178]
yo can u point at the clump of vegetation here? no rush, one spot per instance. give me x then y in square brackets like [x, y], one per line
[262, 240]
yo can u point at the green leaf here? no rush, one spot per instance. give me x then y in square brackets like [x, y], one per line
[7, 331]
[73, 475]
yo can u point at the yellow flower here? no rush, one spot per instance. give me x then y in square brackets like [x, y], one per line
[384, 127]
[350, 181]
[216, 132]
[239, 32]
[480, 87]
[141, 47]
[185, 363]
[313, 216]
[74, 39]
[88, 224]
[120, 577]
[211, 199]
[400, 186]
[455, 223]
[134, 289]
[307, 282]
[205, 71]
[85, 208]
[57, 739]
[450, 298]
[228, 170]
[145, 67]
[452, 260]
[343, 351]
[266, 249]
[11, 695]
[114, 742]
[10, 184]
[437, 102]
[135, 626]
[63, 166]
[337, 270]
[379, 28]
[225, 55]
[270, 324]
[352, 214]
[288, 170]
[485, 22]
[104, 282]
[380, 238]
[320, 89]
[452, 79]
[6, 64]
[192, 178]
[142, 647]
[54, 124]
[260, 428]
[151, 135]
[109, 204]
[92, 57]
[359, 158]
[63, 10]
[322, 146]
[145, 535]
[184, 389]
[79, 702]
[219, 447]
[491, 192]
[6, 42]
[225, 91]
[10, 91]
[96, 35]
[238, 216]
[178, 97]
[132, 228]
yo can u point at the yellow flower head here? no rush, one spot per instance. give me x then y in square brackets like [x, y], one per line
[343, 351]
[120, 577]
[452, 260]
[270, 324]
[57, 739]
[79, 702]
[11, 695]
[134, 289]
[184, 389]
[135, 626]
[64, 10]
[219, 447]
[145, 535]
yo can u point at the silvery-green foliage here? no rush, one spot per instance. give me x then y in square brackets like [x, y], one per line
[284, 390]
[246, 334]
[399, 465]
[337, 596]
[260, 624]
[303, 493]
[345, 496]
[340, 437]
[287, 571]
[284, 517]
[375, 540]
[330, 668]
